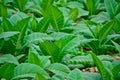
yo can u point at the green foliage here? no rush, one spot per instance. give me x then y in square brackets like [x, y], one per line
[20, 40]
[3, 10]
[117, 46]
[25, 70]
[49, 39]
[20, 4]
[60, 48]
[110, 7]
[85, 61]
[6, 71]
[106, 75]
[59, 69]
[42, 61]
[108, 71]
[75, 75]
[8, 58]
[92, 6]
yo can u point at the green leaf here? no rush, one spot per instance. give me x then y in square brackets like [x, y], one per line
[116, 68]
[117, 46]
[91, 76]
[7, 26]
[62, 3]
[73, 14]
[37, 37]
[103, 33]
[57, 18]
[21, 4]
[25, 70]
[20, 40]
[9, 59]
[59, 35]
[6, 71]
[117, 22]
[110, 6]
[66, 45]
[75, 4]
[5, 35]
[42, 61]
[91, 6]
[54, 14]
[50, 49]
[40, 77]
[100, 18]
[79, 6]
[43, 25]
[3, 10]
[75, 75]
[117, 9]
[58, 77]
[17, 17]
[59, 68]
[103, 71]
[59, 49]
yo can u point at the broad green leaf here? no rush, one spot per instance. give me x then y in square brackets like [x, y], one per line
[107, 64]
[7, 71]
[3, 10]
[75, 74]
[43, 25]
[117, 46]
[40, 77]
[25, 70]
[21, 4]
[59, 49]
[103, 71]
[75, 4]
[37, 2]
[110, 6]
[91, 76]
[62, 2]
[50, 49]
[5, 35]
[79, 6]
[42, 61]
[17, 17]
[73, 14]
[66, 44]
[80, 61]
[33, 24]
[54, 14]
[117, 11]
[20, 40]
[117, 22]
[82, 12]
[7, 1]
[59, 35]
[57, 18]
[9, 59]
[100, 18]
[59, 68]
[57, 77]
[7, 26]
[116, 68]
[103, 33]
[38, 37]
[2, 44]
[91, 6]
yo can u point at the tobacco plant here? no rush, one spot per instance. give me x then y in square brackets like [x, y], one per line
[52, 39]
